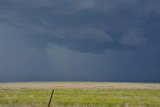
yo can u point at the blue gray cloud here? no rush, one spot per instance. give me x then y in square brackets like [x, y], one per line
[100, 25]
[79, 40]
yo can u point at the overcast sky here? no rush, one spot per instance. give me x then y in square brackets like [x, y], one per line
[80, 40]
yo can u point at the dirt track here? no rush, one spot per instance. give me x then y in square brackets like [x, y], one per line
[78, 85]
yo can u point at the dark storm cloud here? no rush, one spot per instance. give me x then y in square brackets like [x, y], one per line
[85, 25]
[18, 61]
[58, 39]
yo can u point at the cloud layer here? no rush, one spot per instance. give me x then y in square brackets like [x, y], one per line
[105, 40]
[100, 25]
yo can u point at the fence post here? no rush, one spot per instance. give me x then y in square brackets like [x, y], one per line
[49, 103]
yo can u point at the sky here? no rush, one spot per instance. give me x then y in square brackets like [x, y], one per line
[80, 40]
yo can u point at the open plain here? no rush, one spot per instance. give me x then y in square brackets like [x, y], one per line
[108, 94]
[80, 85]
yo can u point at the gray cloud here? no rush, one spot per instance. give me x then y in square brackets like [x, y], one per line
[58, 39]
[133, 38]
[67, 22]
[83, 34]
[19, 61]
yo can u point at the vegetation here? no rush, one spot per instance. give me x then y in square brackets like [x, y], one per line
[81, 97]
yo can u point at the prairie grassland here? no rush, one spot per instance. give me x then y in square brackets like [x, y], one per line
[109, 94]
[80, 85]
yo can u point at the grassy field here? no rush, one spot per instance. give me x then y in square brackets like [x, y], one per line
[76, 93]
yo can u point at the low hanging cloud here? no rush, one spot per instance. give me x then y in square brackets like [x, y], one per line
[133, 38]
[46, 40]
[83, 25]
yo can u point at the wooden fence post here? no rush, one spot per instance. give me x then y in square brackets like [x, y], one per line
[49, 103]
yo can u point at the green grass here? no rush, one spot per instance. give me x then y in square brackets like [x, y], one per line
[80, 97]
